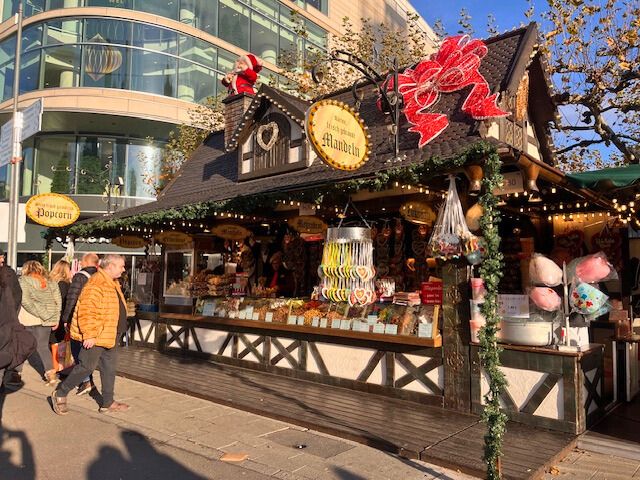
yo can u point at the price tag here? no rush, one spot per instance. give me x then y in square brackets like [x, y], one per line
[268, 317]
[249, 313]
[345, 324]
[315, 322]
[425, 330]
[372, 319]
[391, 329]
[222, 312]
[378, 328]
[255, 316]
[323, 323]
[208, 308]
[364, 327]
[242, 314]
[300, 320]
[513, 306]
[335, 323]
[292, 320]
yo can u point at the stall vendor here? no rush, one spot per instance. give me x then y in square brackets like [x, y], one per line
[279, 277]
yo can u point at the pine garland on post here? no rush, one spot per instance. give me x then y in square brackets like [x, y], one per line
[491, 272]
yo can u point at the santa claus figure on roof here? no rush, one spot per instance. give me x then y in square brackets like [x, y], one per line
[244, 75]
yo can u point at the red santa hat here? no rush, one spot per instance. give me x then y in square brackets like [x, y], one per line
[254, 62]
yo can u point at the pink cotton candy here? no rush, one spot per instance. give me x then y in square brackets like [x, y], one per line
[594, 268]
[545, 298]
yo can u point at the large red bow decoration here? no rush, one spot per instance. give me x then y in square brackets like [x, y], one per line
[453, 68]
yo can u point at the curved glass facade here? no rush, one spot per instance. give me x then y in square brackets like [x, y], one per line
[113, 53]
[87, 164]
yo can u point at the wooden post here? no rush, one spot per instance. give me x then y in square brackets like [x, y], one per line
[456, 337]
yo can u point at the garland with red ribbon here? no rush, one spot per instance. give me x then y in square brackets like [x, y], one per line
[454, 67]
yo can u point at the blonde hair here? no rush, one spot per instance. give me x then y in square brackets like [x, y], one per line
[34, 268]
[61, 271]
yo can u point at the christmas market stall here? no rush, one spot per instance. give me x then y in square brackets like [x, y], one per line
[355, 241]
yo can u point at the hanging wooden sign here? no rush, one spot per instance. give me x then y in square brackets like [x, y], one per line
[173, 239]
[129, 241]
[231, 232]
[337, 134]
[418, 212]
[308, 224]
[52, 210]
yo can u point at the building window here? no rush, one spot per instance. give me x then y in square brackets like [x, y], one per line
[88, 165]
[153, 73]
[62, 66]
[233, 23]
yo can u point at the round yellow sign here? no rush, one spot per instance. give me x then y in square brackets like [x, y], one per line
[129, 241]
[418, 212]
[173, 239]
[52, 210]
[231, 232]
[337, 134]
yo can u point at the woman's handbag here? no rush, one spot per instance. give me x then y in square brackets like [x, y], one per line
[61, 354]
[28, 319]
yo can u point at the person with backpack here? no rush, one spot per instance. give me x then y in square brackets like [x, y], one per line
[89, 266]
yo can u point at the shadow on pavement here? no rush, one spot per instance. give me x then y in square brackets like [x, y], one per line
[9, 468]
[143, 462]
[344, 474]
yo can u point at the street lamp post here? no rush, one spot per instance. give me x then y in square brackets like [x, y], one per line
[16, 160]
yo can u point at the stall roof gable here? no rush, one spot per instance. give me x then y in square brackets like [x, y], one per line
[295, 108]
[211, 174]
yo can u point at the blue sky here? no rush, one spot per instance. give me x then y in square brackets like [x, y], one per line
[509, 13]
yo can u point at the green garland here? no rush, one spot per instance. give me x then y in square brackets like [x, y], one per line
[491, 273]
[255, 204]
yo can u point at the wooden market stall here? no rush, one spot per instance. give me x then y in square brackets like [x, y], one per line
[260, 188]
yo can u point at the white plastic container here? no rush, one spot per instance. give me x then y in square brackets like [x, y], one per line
[519, 332]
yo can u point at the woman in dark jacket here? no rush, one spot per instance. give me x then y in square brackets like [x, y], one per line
[16, 344]
[61, 273]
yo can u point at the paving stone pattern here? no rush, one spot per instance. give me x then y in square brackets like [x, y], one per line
[181, 437]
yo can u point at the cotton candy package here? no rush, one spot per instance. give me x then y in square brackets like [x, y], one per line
[544, 271]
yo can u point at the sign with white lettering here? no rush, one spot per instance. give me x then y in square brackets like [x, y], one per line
[5, 143]
[52, 210]
[337, 134]
[31, 120]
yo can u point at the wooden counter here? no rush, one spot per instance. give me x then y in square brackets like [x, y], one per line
[401, 366]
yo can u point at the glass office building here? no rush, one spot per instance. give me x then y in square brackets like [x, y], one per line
[116, 76]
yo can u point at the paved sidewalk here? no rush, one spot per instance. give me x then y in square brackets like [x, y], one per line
[174, 436]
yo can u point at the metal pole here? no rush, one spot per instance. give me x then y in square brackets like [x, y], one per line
[14, 199]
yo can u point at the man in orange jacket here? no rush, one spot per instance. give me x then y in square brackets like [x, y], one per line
[99, 319]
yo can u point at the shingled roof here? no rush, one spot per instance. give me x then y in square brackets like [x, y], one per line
[211, 174]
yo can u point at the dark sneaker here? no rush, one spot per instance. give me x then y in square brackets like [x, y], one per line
[115, 407]
[59, 404]
[84, 388]
[14, 381]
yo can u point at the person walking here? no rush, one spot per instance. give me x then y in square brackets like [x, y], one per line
[61, 274]
[99, 319]
[40, 313]
[16, 344]
[88, 267]
[9, 280]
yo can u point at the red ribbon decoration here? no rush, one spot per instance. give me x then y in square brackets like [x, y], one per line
[453, 68]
